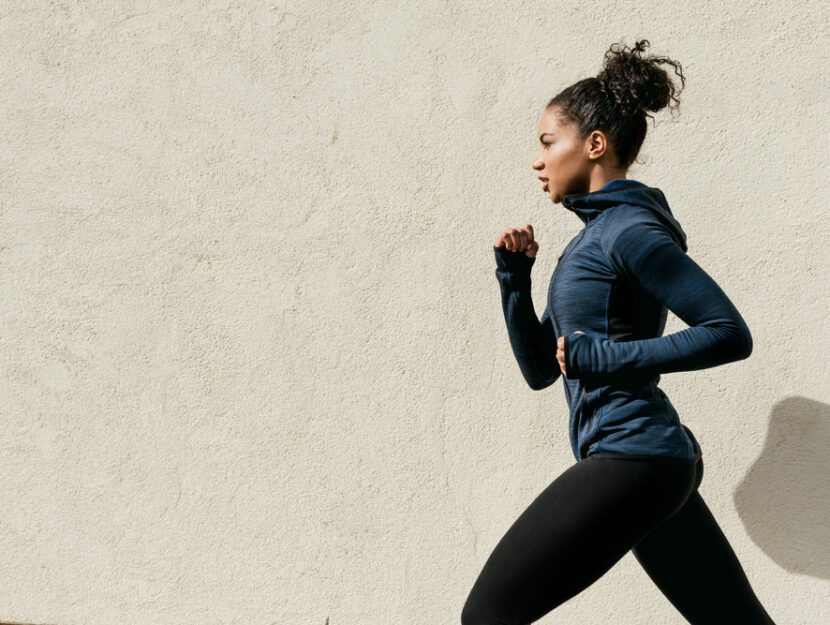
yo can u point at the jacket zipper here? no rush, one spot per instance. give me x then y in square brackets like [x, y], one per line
[553, 279]
[591, 411]
[553, 312]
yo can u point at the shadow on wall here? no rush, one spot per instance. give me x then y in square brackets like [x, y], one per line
[784, 500]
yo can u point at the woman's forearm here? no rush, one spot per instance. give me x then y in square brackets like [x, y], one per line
[533, 342]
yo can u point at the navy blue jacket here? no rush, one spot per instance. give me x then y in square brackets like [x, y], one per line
[615, 281]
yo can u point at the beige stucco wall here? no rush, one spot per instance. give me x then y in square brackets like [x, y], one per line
[253, 366]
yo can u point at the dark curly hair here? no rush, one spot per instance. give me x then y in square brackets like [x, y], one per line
[615, 101]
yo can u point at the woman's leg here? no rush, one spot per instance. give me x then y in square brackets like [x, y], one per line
[572, 533]
[693, 564]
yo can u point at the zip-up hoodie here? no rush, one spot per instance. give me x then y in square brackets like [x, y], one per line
[615, 281]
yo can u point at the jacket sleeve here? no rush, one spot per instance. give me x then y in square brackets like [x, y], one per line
[647, 255]
[533, 341]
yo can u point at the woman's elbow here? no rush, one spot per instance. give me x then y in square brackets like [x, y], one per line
[742, 342]
[538, 383]
[747, 344]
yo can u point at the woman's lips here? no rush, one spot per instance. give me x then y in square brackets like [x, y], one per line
[545, 186]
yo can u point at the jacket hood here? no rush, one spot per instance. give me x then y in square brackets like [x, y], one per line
[625, 191]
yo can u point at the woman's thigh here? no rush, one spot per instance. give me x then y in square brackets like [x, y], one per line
[575, 530]
[693, 564]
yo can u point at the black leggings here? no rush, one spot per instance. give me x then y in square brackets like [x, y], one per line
[588, 518]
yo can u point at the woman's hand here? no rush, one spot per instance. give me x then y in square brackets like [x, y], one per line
[560, 352]
[519, 240]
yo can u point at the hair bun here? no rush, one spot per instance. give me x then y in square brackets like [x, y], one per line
[636, 84]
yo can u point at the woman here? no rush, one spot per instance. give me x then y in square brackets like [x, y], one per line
[635, 483]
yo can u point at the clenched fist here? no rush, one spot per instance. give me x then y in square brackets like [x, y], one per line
[519, 240]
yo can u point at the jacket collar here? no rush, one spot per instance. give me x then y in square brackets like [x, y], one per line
[590, 205]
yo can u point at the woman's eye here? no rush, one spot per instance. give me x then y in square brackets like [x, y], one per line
[545, 144]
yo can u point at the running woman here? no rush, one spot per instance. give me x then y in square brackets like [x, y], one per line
[634, 486]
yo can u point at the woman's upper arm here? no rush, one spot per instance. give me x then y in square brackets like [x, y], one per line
[646, 254]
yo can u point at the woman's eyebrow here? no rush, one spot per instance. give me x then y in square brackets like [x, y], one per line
[543, 134]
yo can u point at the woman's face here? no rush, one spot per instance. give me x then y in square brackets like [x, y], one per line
[562, 158]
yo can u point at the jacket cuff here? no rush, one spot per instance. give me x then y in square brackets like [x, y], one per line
[516, 262]
[573, 348]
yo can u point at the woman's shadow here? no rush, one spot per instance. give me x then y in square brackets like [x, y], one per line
[784, 500]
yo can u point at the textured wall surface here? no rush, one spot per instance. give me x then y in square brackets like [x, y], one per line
[253, 366]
